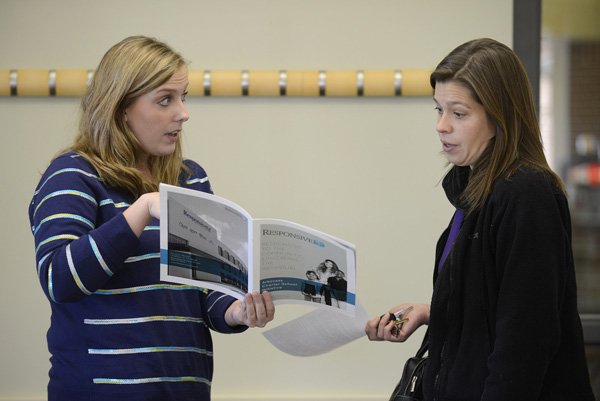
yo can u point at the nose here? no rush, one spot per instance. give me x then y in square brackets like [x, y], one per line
[442, 125]
[182, 113]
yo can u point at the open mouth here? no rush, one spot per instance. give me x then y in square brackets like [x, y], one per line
[447, 147]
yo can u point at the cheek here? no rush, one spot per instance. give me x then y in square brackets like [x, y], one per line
[480, 145]
[488, 138]
[482, 134]
[484, 141]
[141, 126]
[135, 122]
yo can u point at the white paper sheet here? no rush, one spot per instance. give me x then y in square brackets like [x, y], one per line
[318, 332]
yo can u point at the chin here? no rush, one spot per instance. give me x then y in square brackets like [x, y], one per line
[165, 152]
[458, 163]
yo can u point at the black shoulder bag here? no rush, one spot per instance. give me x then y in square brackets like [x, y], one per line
[410, 386]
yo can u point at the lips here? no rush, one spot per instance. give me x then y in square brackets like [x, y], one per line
[172, 136]
[448, 147]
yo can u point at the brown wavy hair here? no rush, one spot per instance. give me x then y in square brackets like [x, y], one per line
[498, 81]
[128, 70]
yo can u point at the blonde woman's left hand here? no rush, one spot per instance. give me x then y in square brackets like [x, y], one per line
[256, 310]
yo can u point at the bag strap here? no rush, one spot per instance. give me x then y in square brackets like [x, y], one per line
[424, 345]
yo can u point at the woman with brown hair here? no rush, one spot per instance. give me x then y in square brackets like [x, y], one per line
[503, 321]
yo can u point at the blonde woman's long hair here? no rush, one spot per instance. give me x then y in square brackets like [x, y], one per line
[128, 70]
[498, 81]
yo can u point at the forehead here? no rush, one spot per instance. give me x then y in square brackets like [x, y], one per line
[178, 81]
[453, 92]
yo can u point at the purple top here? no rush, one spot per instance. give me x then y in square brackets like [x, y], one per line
[456, 223]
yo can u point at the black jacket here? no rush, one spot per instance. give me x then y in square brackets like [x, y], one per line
[504, 324]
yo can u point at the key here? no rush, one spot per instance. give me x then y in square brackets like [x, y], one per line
[398, 315]
[399, 320]
[398, 325]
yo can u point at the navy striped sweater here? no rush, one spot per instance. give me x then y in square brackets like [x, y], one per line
[117, 332]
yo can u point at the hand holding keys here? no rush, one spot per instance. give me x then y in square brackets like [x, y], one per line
[399, 319]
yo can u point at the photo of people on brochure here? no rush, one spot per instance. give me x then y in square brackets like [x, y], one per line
[327, 284]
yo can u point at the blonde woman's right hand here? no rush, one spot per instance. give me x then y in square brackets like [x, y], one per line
[139, 214]
[153, 202]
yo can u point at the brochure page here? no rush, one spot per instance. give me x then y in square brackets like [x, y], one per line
[205, 241]
[318, 332]
[299, 264]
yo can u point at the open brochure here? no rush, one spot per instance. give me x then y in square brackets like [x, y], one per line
[210, 242]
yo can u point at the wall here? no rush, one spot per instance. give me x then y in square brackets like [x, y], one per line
[364, 169]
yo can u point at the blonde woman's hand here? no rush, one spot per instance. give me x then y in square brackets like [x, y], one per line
[139, 214]
[256, 310]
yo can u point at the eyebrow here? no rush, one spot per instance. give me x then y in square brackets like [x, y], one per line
[454, 103]
[170, 89]
[163, 91]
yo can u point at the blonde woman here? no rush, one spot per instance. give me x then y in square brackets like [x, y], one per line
[117, 332]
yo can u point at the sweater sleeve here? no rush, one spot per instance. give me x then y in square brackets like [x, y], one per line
[532, 260]
[74, 256]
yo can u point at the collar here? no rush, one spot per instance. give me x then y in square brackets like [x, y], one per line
[454, 184]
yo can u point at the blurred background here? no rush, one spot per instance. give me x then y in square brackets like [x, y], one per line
[570, 123]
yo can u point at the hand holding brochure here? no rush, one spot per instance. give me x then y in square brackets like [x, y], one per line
[210, 242]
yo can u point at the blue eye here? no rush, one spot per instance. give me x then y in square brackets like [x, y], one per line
[165, 101]
[184, 96]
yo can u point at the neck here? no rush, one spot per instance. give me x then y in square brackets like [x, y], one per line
[144, 168]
